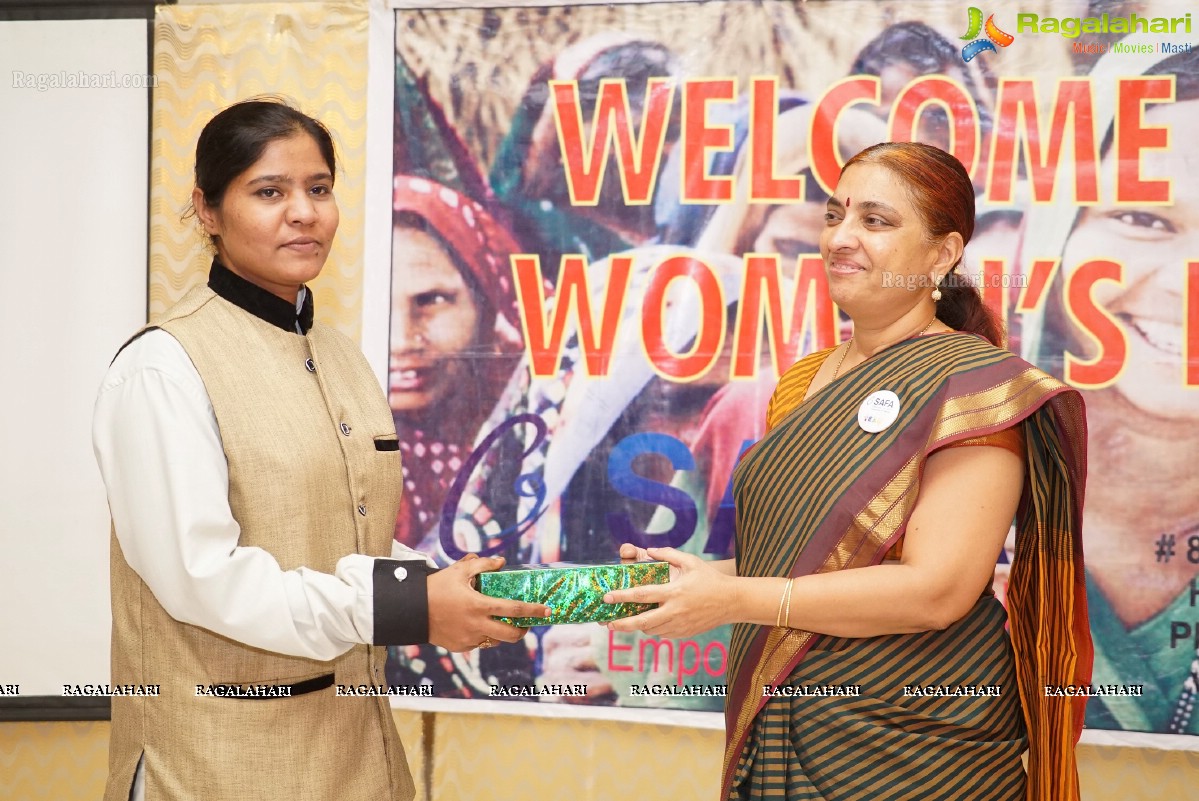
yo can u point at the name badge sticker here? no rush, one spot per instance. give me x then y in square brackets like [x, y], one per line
[878, 411]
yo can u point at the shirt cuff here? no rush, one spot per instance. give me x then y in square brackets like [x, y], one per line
[401, 602]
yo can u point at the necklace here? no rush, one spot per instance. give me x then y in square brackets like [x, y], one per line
[841, 361]
[1186, 701]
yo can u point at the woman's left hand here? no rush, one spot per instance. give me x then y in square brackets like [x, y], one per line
[698, 598]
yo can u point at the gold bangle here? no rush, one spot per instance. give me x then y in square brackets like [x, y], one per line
[787, 617]
[784, 602]
[778, 618]
[787, 605]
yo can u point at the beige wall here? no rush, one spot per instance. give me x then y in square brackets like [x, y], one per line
[457, 756]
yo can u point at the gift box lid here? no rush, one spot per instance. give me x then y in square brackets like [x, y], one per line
[573, 591]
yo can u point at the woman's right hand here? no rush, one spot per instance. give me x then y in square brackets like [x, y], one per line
[461, 618]
[700, 595]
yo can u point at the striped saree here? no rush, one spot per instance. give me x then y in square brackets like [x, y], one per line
[818, 493]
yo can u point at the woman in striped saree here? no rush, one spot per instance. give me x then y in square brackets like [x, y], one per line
[869, 658]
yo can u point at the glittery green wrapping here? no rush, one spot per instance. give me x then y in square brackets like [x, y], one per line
[574, 592]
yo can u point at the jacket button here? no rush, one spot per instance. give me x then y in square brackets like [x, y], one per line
[362, 510]
[401, 573]
[310, 365]
[345, 429]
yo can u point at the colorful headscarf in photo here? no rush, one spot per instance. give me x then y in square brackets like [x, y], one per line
[479, 242]
[434, 450]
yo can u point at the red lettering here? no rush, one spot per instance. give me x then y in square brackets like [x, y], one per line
[812, 313]
[1133, 136]
[613, 646]
[958, 105]
[656, 646]
[546, 343]
[719, 646]
[585, 160]
[765, 184]
[1191, 337]
[708, 342]
[699, 137]
[683, 670]
[1039, 277]
[826, 160]
[662, 657]
[1098, 324]
[1017, 102]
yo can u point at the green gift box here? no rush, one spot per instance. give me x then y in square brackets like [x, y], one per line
[573, 592]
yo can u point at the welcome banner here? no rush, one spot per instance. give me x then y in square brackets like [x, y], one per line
[605, 228]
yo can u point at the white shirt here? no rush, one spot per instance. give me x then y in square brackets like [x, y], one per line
[159, 449]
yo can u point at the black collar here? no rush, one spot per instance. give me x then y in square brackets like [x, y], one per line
[258, 302]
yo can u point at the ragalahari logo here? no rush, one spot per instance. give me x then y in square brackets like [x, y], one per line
[994, 35]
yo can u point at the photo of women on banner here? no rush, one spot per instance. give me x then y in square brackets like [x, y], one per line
[527, 173]
[1116, 324]
[650, 206]
[454, 343]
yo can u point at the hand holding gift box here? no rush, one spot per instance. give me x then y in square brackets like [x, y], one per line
[461, 619]
[699, 596]
[574, 592]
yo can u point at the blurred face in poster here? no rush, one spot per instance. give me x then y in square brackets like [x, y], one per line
[434, 322]
[605, 57]
[933, 124]
[1153, 242]
[1145, 423]
[996, 236]
[906, 51]
[792, 230]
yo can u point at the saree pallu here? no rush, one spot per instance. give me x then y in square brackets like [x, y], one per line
[817, 494]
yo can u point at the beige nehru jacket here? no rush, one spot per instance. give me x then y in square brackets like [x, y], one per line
[298, 418]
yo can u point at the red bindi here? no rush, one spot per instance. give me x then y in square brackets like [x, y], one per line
[846, 202]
